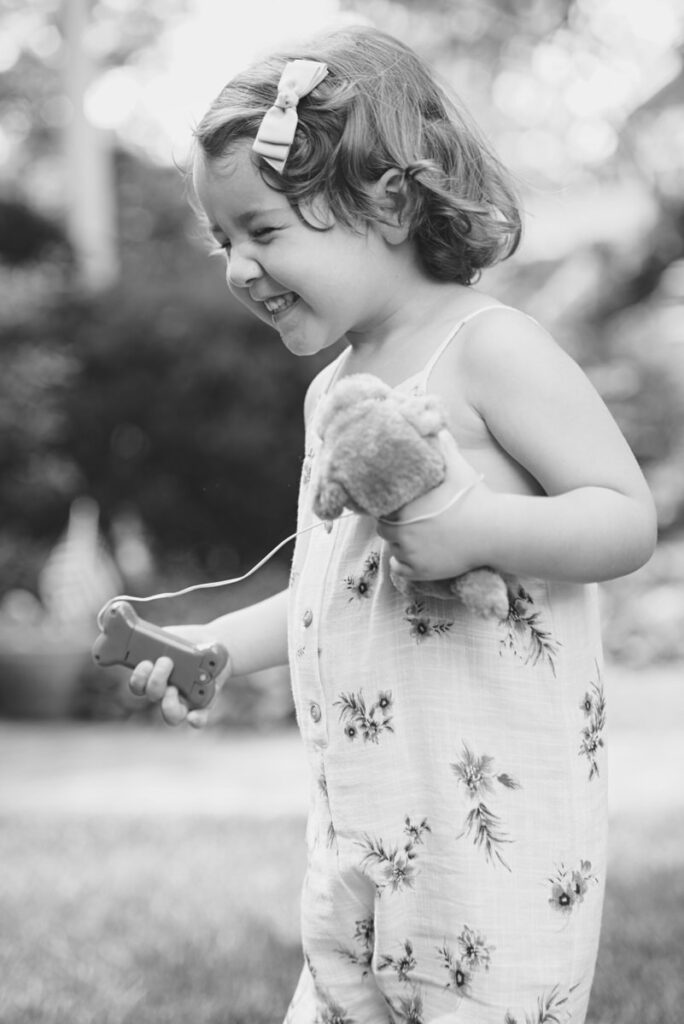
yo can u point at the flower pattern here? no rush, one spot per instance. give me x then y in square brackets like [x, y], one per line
[476, 774]
[474, 954]
[331, 834]
[408, 1009]
[568, 887]
[524, 635]
[593, 707]
[333, 1013]
[372, 704]
[307, 466]
[424, 626]
[394, 868]
[551, 1008]
[361, 587]
[361, 720]
[364, 936]
[401, 965]
[329, 1010]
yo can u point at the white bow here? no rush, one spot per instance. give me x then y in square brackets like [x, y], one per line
[277, 129]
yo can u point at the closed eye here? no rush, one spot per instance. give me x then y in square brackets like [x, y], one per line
[262, 234]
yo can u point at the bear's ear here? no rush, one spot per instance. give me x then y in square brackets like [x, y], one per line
[330, 499]
[425, 413]
[358, 386]
[348, 393]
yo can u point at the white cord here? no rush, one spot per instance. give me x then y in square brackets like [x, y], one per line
[433, 515]
[206, 586]
[274, 551]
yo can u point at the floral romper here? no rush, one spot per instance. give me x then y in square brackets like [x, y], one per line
[456, 838]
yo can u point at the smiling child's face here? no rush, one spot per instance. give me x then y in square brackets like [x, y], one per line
[313, 286]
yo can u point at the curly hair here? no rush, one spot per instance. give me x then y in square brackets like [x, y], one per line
[379, 108]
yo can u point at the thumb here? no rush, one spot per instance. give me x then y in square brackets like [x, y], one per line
[398, 568]
[199, 718]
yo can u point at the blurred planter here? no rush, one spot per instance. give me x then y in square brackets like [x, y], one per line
[40, 671]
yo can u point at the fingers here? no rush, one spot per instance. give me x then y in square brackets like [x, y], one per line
[390, 532]
[151, 680]
[384, 530]
[173, 710]
[158, 682]
[392, 535]
[139, 676]
[199, 718]
[448, 443]
[398, 568]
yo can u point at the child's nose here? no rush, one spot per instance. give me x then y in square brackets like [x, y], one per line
[241, 270]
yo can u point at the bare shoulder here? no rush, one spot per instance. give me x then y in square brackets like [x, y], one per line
[504, 333]
[504, 348]
[540, 406]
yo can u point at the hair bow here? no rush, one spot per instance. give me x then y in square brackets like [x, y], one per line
[277, 129]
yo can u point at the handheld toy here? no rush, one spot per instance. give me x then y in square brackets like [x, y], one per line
[381, 450]
[126, 639]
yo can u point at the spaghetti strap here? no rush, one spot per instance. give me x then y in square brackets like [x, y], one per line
[332, 370]
[418, 381]
[423, 376]
[441, 349]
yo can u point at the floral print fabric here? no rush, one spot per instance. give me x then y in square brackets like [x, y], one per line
[456, 839]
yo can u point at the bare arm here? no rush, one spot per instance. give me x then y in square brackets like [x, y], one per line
[594, 517]
[587, 535]
[255, 637]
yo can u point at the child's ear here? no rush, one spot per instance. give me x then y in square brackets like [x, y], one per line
[390, 192]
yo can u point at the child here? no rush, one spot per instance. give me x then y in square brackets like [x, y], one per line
[456, 839]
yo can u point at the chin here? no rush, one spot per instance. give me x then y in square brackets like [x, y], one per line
[299, 346]
[298, 349]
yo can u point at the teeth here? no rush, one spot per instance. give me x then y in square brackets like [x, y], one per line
[280, 302]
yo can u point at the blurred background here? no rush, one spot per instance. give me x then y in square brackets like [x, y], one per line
[138, 405]
[151, 436]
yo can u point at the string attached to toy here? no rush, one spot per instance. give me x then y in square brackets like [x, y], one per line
[213, 584]
[433, 515]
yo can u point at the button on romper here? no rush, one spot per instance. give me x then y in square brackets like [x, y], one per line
[456, 838]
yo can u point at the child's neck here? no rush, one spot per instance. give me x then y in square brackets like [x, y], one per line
[403, 341]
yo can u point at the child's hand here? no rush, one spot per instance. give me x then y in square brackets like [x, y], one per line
[151, 680]
[447, 544]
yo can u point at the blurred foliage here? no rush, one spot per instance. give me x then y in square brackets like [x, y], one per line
[161, 400]
[156, 395]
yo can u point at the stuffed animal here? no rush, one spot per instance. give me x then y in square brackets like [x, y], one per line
[381, 450]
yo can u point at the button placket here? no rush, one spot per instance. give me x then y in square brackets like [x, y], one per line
[311, 691]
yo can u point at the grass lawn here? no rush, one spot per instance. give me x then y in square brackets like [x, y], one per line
[106, 920]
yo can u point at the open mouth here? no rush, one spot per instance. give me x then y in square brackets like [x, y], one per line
[280, 303]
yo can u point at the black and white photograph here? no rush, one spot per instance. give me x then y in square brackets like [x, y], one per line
[341, 512]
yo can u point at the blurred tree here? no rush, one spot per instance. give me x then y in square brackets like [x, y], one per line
[90, 206]
[160, 396]
[26, 236]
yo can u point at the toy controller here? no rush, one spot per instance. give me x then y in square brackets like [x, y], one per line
[126, 639]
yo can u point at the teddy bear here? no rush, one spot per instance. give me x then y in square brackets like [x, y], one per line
[380, 450]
